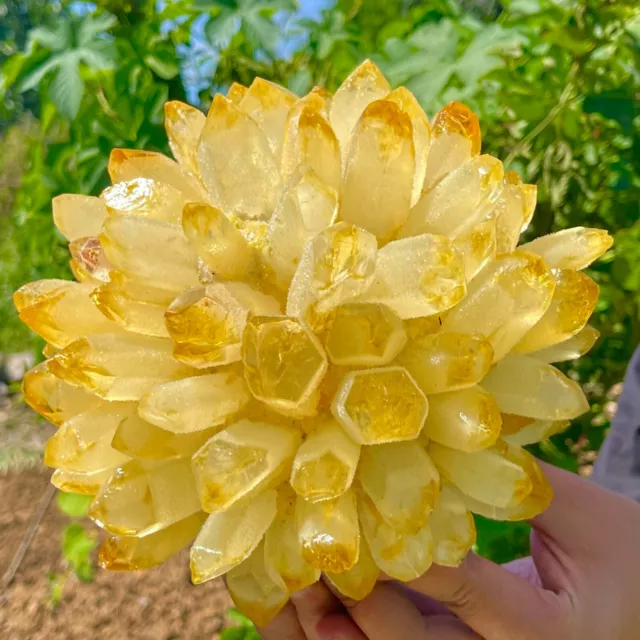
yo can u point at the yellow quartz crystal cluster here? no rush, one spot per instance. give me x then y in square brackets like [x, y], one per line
[309, 344]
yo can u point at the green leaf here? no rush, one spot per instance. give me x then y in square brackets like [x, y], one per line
[163, 64]
[10, 71]
[67, 88]
[240, 618]
[100, 55]
[92, 26]
[261, 31]
[76, 548]
[73, 504]
[300, 82]
[56, 37]
[34, 78]
[221, 29]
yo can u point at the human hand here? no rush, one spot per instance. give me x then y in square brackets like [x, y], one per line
[582, 582]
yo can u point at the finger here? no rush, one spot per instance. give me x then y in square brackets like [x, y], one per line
[385, 614]
[581, 514]
[339, 626]
[526, 569]
[449, 628]
[492, 601]
[284, 626]
[312, 605]
[425, 605]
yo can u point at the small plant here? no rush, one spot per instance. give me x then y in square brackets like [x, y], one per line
[244, 629]
[77, 545]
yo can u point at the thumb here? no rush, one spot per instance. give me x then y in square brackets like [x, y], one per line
[494, 602]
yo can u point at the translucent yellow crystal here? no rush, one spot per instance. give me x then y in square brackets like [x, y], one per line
[403, 556]
[335, 267]
[184, 125]
[573, 302]
[358, 582]
[569, 349]
[83, 443]
[55, 399]
[87, 484]
[452, 527]
[288, 386]
[220, 245]
[421, 135]
[29, 293]
[78, 216]
[477, 246]
[206, 323]
[537, 500]
[156, 293]
[364, 85]
[365, 335]
[142, 497]
[307, 206]
[447, 361]
[574, 248]
[467, 420]
[129, 164]
[512, 211]
[269, 104]
[241, 460]
[128, 553]
[131, 314]
[328, 532]
[230, 137]
[462, 199]
[282, 546]
[379, 171]
[309, 141]
[325, 464]
[140, 439]
[89, 260]
[455, 137]
[402, 483]
[504, 301]
[117, 367]
[380, 405]
[488, 475]
[229, 537]
[521, 431]
[257, 589]
[146, 198]
[528, 387]
[418, 276]
[194, 404]
[63, 313]
[258, 329]
[131, 243]
[236, 92]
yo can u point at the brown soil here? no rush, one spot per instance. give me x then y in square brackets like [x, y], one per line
[158, 604]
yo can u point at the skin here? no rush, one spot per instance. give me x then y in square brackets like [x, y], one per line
[582, 582]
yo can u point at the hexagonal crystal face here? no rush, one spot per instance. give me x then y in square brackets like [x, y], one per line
[380, 405]
[206, 325]
[365, 335]
[283, 364]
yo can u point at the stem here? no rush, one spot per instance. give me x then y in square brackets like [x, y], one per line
[26, 541]
[564, 98]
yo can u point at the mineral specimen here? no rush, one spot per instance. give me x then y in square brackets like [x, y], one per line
[310, 343]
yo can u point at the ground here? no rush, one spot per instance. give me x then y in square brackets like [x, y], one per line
[159, 604]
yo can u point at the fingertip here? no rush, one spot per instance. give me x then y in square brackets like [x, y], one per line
[338, 626]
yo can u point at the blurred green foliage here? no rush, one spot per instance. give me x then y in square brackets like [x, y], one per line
[77, 545]
[555, 83]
